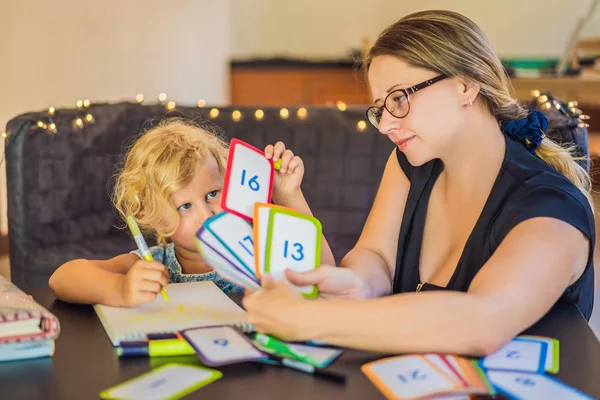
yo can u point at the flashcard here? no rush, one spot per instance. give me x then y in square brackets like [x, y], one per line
[470, 374]
[261, 225]
[553, 356]
[518, 355]
[294, 242]
[408, 377]
[248, 179]
[212, 251]
[444, 365]
[221, 345]
[522, 385]
[170, 381]
[236, 235]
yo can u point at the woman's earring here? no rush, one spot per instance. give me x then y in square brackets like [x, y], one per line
[470, 102]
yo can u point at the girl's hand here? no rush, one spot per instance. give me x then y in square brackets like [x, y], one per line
[288, 179]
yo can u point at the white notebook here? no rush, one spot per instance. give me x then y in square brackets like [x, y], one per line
[190, 305]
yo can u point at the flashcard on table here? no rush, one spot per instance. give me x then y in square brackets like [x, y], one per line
[170, 381]
[409, 377]
[261, 225]
[294, 242]
[213, 252]
[221, 345]
[236, 235]
[523, 385]
[518, 355]
[248, 179]
[553, 356]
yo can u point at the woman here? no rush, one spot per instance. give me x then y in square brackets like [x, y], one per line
[480, 224]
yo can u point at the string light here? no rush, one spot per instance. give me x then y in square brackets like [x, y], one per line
[236, 115]
[284, 113]
[302, 113]
[79, 122]
[341, 105]
[79, 103]
[162, 97]
[89, 118]
[86, 103]
[139, 97]
[557, 105]
[583, 125]
[51, 111]
[572, 104]
[201, 103]
[214, 113]
[53, 128]
[543, 98]
[4, 135]
[548, 105]
[171, 105]
[584, 117]
[535, 93]
[42, 125]
[259, 114]
[361, 126]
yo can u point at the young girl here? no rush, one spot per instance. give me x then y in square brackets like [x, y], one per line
[171, 183]
[480, 225]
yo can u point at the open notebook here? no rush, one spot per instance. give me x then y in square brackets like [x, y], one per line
[190, 305]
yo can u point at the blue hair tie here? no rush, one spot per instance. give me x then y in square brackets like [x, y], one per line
[529, 131]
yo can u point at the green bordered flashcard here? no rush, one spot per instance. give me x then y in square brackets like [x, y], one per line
[170, 381]
[294, 242]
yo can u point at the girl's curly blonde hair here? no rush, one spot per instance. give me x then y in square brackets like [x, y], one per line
[164, 159]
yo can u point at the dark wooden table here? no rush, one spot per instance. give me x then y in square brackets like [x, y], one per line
[85, 363]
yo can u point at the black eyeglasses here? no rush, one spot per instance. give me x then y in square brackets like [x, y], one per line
[397, 103]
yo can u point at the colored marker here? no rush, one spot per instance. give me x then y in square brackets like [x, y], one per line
[279, 348]
[143, 247]
[156, 348]
[277, 164]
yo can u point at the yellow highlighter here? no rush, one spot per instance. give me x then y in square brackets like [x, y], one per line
[143, 247]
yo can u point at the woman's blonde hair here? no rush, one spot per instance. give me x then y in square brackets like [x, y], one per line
[162, 160]
[449, 43]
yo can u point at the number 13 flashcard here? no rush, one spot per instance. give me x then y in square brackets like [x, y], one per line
[293, 241]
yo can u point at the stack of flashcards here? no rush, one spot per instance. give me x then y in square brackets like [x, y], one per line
[253, 237]
[517, 371]
[426, 376]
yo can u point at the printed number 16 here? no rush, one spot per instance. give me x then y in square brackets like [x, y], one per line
[252, 183]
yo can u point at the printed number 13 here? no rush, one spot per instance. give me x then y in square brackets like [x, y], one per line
[298, 255]
[249, 239]
[252, 183]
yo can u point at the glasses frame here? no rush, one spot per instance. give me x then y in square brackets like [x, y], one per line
[373, 111]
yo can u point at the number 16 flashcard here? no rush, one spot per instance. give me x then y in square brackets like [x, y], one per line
[293, 241]
[248, 179]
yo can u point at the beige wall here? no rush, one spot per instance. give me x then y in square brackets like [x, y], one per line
[55, 52]
[330, 28]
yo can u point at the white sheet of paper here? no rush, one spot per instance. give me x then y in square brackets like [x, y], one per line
[518, 355]
[261, 238]
[208, 248]
[236, 235]
[409, 377]
[293, 245]
[250, 179]
[164, 382]
[533, 386]
[221, 345]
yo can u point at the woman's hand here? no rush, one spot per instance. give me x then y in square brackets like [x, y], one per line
[333, 282]
[279, 310]
[288, 179]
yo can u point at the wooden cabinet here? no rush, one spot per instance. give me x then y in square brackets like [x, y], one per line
[296, 84]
